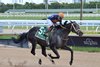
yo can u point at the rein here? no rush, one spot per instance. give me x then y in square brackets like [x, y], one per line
[63, 27]
[74, 28]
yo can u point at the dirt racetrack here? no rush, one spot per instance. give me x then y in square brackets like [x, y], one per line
[21, 57]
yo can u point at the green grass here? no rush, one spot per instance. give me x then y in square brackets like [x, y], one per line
[7, 36]
[21, 18]
[18, 27]
[84, 18]
[39, 18]
[86, 49]
[89, 27]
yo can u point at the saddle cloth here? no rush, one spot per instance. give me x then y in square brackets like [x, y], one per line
[41, 33]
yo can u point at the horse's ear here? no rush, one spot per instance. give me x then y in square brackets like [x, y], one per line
[65, 22]
[71, 21]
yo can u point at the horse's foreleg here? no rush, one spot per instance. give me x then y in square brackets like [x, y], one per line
[53, 48]
[67, 48]
[44, 53]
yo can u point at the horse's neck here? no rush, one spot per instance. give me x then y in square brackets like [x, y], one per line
[65, 33]
[60, 36]
[62, 33]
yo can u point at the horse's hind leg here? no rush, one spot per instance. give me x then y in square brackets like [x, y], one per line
[33, 48]
[33, 51]
[68, 48]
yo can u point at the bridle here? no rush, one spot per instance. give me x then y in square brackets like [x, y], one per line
[72, 26]
[63, 27]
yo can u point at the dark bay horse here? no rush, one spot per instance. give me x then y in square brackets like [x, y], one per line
[57, 39]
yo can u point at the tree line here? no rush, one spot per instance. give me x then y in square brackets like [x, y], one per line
[56, 5]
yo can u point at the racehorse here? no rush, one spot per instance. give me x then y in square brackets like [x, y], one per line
[57, 39]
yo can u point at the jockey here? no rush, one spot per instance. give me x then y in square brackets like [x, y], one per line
[54, 19]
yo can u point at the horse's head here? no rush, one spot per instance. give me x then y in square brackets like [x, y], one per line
[74, 27]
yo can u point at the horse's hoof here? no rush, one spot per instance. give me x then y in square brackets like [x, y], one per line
[70, 63]
[53, 61]
[40, 61]
[50, 55]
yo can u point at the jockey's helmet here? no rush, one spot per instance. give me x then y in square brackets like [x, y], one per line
[61, 14]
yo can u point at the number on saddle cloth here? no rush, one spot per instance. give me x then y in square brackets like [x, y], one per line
[41, 33]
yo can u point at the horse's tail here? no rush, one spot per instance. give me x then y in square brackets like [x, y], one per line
[21, 37]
